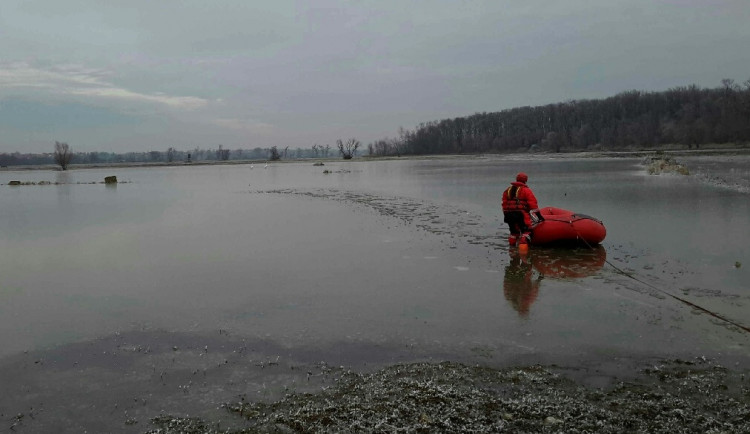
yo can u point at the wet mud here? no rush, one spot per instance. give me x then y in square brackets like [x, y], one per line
[166, 382]
[119, 383]
[675, 396]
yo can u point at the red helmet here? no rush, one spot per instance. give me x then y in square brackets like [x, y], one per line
[522, 177]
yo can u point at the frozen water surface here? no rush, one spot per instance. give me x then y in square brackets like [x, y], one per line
[375, 262]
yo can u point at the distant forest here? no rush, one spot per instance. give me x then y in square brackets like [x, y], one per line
[171, 155]
[634, 120]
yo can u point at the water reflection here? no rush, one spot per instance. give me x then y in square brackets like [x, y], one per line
[519, 284]
[524, 273]
[63, 188]
[63, 178]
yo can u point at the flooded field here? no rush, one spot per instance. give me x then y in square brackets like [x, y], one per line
[182, 288]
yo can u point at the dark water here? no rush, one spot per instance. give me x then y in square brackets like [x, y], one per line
[202, 248]
[388, 254]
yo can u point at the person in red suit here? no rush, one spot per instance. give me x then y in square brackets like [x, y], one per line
[519, 203]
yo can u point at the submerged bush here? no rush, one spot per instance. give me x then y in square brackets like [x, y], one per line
[660, 165]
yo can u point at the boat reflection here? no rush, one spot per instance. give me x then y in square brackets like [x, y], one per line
[524, 274]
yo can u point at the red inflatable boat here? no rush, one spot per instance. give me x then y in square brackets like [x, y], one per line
[560, 226]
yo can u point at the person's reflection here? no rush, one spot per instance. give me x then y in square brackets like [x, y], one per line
[519, 285]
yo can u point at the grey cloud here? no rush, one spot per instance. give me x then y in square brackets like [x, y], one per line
[298, 72]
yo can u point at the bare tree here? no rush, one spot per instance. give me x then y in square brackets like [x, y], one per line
[348, 149]
[63, 155]
[170, 154]
[729, 85]
[275, 156]
[222, 154]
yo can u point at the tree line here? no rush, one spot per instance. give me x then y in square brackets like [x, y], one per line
[171, 155]
[63, 155]
[689, 116]
[633, 120]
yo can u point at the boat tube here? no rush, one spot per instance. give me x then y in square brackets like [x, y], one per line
[560, 226]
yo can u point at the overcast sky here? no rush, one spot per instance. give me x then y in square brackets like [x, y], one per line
[141, 75]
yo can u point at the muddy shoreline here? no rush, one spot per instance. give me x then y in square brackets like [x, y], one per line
[181, 382]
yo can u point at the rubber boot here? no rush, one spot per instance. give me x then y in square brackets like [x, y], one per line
[526, 238]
